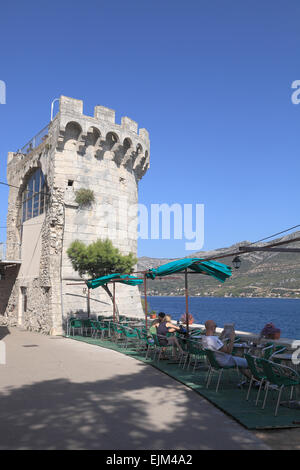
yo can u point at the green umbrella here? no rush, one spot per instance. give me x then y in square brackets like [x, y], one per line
[117, 277]
[219, 271]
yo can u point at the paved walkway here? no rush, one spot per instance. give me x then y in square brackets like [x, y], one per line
[58, 393]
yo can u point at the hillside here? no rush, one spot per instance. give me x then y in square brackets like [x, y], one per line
[261, 274]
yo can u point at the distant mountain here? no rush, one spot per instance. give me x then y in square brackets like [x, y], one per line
[261, 274]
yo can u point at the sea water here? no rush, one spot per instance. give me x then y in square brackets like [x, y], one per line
[248, 314]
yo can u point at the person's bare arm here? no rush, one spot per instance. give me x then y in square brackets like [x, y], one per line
[227, 348]
[172, 327]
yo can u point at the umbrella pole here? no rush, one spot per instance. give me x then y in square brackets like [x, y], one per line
[186, 301]
[114, 302]
[146, 303]
[88, 303]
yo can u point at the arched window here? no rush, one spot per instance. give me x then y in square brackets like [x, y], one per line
[34, 196]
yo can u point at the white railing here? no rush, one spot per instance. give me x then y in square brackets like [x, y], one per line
[35, 141]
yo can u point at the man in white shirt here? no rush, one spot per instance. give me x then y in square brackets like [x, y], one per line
[223, 352]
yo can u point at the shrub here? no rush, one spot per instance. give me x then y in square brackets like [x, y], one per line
[84, 196]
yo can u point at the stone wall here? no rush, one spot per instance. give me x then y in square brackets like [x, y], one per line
[8, 299]
[36, 317]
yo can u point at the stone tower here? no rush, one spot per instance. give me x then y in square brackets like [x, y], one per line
[74, 152]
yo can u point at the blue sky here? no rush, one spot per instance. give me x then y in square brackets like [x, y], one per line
[210, 80]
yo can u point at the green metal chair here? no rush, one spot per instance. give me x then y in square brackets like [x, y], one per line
[159, 347]
[279, 376]
[86, 326]
[69, 322]
[215, 367]
[105, 329]
[130, 335]
[184, 356]
[277, 350]
[270, 350]
[142, 343]
[267, 350]
[196, 331]
[117, 332]
[76, 324]
[195, 352]
[95, 328]
[150, 344]
[256, 375]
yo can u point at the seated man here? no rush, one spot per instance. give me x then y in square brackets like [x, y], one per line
[223, 351]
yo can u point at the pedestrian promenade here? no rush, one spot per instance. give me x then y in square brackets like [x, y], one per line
[57, 393]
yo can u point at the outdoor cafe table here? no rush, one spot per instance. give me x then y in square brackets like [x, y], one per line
[287, 358]
[256, 349]
[241, 347]
[283, 356]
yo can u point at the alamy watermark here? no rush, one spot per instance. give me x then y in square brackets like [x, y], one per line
[158, 222]
[296, 354]
[2, 92]
[296, 94]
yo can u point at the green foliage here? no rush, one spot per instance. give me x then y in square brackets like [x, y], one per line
[143, 304]
[99, 259]
[84, 196]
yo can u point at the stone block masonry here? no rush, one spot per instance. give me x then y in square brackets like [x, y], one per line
[79, 151]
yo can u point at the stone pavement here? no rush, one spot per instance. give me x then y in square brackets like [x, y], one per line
[57, 393]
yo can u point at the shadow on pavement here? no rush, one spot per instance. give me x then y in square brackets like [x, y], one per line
[4, 331]
[60, 414]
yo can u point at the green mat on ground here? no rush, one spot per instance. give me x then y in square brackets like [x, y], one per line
[229, 398]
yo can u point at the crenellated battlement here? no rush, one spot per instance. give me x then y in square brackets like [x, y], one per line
[73, 107]
[124, 143]
[129, 145]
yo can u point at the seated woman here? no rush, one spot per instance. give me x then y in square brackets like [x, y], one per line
[163, 329]
[156, 322]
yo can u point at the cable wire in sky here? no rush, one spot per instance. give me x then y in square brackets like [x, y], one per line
[18, 187]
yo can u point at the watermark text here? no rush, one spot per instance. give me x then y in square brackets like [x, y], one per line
[157, 222]
[2, 92]
[296, 94]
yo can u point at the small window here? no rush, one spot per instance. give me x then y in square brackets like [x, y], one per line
[70, 182]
